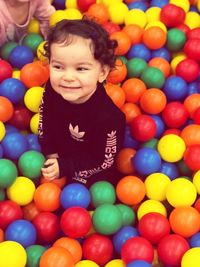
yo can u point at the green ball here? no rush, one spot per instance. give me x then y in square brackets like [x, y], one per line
[175, 40]
[8, 173]
[123, 59]
[151, 143]
[135, 67]
[30, 164]
[34, 253]
[153, 77]
[128, 215]
[107, 219]
[32, 40]
[2, 195]
[6, 49]
[183, 168]
[102, 192]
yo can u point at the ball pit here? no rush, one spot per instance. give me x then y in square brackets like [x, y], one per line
[151, 217]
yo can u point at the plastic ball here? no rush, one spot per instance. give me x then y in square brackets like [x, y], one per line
[192, 157]
[192, 103]
[57, 16]
[5, 70]
[151, 205]
[75, 194]
[8, 173]
[34, 122]
[30, 211]
[59, 4]
[12, 254]
[185, 221]
[134, 32]
[192, 20]
[160, 63]
[191, 134]
[30, 163]
[6, 109]
[118, 74]
[33, 26]
[127, 213]
[196, 180]
[175, 40]
[169, 169]
[116, 93]
[153, 14]
[110, 27]
[98, 12]
[20, 56]
[191, 258]
[135, 67]
[123, 42]
[146, 161]
[153, 77]
[176, 60]
[171, 249]
[172, 15]
[131, 111]
[139, 51]
[84, 5]
[154, 37]
[194, 241]
[175, 88]
[133, 89]
[137, 248]
[34, 253]
[137, 17]
[123, 160]
[6, 49]
[115, 263]
[21, 191]
[32, 98]
[73, 13]
[192, 48]
[188, 69]
[138, 263]
[86, 263]
[130, 190]
[118, 13]
[162, 52]
[196, 116]
[32, 40]
[107, 219]
[21, 118]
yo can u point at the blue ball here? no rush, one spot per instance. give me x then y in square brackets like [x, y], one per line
[59, 4]
[21, 231]
[13, 89]
[20, 56]
[193, 88]
[1, 151]
[160, 125]
[139, 50]
[159, 3]
[146, 161]
[122, 236]
[33, 143]
[75, 195]
[14, 145]
[162, 52]
[129, 141]
[175, 88]
[138, 263]
[194, 241]
[138, 5]
[10, 128]
[169, 169]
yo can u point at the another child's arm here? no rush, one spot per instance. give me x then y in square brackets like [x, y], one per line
[3, 38]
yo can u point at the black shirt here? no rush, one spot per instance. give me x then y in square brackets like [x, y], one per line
[85, 136]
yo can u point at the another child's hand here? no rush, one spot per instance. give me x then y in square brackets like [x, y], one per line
[51, 169]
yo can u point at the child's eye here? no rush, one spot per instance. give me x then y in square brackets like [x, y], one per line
[58, 67]
[82, 68]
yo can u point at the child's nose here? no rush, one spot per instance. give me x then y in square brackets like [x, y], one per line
[69, 75]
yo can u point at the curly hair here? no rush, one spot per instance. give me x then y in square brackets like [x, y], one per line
[103, 47]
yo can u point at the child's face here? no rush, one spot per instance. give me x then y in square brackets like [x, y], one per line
[74, 72]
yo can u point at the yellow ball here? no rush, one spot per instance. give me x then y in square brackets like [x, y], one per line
[184, 4]
[115, 263]
[191, 258]
[196, 181]
[16, 74]
[136, 16]
[86, 263]
[171, 148]
[2, 130]
[158, 181]
[192, 20]
[32, 98]
[198, 5]
[73, 13]
[57, 16]
[109, 2]
[34, 26]
[181, 192]
[21, 191]
[151, 205]
[156, 24]
[177, 59]
[34, 122]
[71, 4]
[41, 52]
[153, 14]
[12, 254]
[117, 12]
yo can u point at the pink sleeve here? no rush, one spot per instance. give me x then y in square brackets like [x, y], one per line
[43, 12]
[3, 38]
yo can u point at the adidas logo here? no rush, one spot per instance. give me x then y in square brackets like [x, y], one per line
[75, 134]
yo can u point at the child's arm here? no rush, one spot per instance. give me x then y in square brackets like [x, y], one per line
[2, 32]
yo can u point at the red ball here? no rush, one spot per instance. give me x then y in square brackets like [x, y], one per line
[110, 27]
[192, 48]
[137, 248]
[143, 128]
[192, 157]
[172, 131]
[5, 70]
[196, 116]
[171, 249]
[175, 115]
[153, 226]
[83, 5]
[184, 28]
[172, 15]
[9, 212]
[21, 118]
[98, 248]
[188, 69]
[47, 227]
[75, 222]
[194, 33]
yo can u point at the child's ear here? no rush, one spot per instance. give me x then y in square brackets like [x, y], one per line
[104, 73]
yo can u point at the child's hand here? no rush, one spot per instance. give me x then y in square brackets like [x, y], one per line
[51, 169]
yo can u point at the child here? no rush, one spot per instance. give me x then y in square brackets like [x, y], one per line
[15, 16]
[80, 128]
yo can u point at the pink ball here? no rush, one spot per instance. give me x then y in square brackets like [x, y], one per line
[137, 248]
[188, 69]
[5, 70]
[83, 5]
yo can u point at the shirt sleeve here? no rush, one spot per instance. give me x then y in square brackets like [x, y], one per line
[43, 12]
[3, 37]
[99, 157]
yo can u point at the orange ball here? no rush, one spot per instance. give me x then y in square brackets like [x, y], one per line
[118, 73]
[161, 64]
[60, 182]
[99, 12]
[197, 204]
[133, 88]
[130, 190]
[185, 221]
[123, 160]
[154, 37]
[1, 235]
[6, 109]
[123, 42]
[192, 103]
[153, 101]
[72, 245]
[131, 111]
[191, 134]
[56, 257]
[134, 32]
[30, 211]
[47, 197]
[116, 93]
